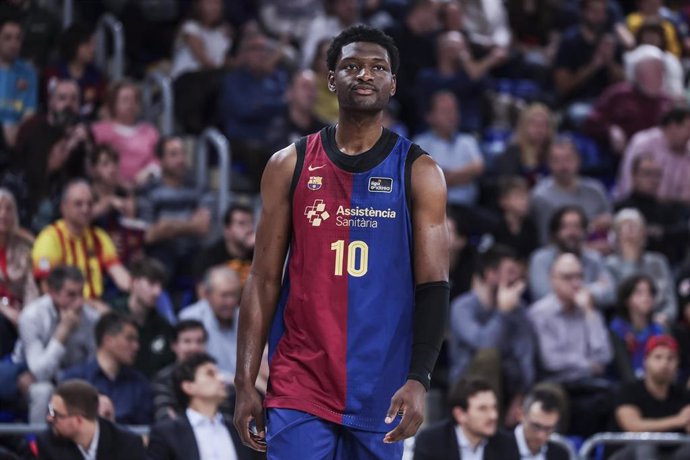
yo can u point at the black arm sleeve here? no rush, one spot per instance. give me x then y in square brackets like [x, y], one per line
[430, 312]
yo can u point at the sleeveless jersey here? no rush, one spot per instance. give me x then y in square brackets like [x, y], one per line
[341, 340]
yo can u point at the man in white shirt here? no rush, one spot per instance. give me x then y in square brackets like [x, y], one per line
[203, 433]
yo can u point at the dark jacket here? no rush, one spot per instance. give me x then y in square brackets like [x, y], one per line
[438, 442]
[175, 440]
[553, 451]
[114, 443]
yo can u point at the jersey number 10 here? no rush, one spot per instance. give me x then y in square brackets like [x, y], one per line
[357, 257]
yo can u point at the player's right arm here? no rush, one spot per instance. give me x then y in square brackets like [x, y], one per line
[262, 289]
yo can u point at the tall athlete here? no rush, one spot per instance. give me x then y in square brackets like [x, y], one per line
[355, 324]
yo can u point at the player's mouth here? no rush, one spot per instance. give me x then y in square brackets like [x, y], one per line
[364, 89]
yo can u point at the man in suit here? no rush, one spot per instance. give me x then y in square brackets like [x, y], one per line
[541, 413]
[77, 433]
[202, 433]
[470, 434]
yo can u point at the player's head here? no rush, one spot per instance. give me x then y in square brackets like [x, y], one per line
[474, 406]
[362, 63]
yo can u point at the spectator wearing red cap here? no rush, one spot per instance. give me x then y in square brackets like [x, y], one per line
[655, 403]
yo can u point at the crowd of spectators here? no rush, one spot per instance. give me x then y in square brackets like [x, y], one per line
[563, 132]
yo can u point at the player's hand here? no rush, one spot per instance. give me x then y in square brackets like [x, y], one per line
[248, 412]
[409, 400]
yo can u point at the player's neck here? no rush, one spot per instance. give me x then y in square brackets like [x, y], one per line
[356, 133]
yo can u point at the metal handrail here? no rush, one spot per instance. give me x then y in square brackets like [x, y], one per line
[222, 148]
[109, 23]
[33, 428]
[67, 13]
[630, 438]
[567, 445]
[161, 82]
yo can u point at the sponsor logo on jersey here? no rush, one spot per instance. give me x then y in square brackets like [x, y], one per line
[315, 182]
[381, 184]
[362, 217]
[316, 213]
[312, 168]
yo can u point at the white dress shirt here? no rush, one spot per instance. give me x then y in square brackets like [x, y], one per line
[525, 452]
[93, 447]
[212, 437]
[467, 452]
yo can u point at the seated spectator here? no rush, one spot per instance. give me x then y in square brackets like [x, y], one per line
[634, 325]
[574, 346]
[515, 227]
[155, 333]
[490, 334]
[587, 61]
[55, 332]
[463, 256]
[652, 9]
[631, 106]
[631, 258]
[534, 28]
[340, 14]
[51, 150]
[77, 432]
[19, 93]
[257, 77]
[178, 214]
[542, 410]
[669, 145]
[201, 49]
[112, 373]
[567, 227]
[326, 108]
[114, 208]
[236, 247]
[652, 33]
[681, 329]
[471, 430]
[189, 338]
[527, 153]
[654, 404]
[567, 187]
[40, 26]
[73, 240]
[299, 118]
[134, 140]
[456, 153]
[77, 46]
[487, 24]
[218, 311]
[667, 229]
[201, 431]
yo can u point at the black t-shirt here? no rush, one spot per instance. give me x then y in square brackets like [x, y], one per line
[217, 254]
[636, 394]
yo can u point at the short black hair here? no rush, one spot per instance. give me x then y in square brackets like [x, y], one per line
[547, 396]
[72, 38]
[149, 269]
[62, 273]
[507, 184]
[232, 209]
[557, 217]
[111, 323]
[185, 372]
[10, 19]
[675, 116]
[466, 388]
[188, 325]
[492, 258]
[362, 33]
[626, 289]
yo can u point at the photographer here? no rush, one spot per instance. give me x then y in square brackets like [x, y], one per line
[51, 149]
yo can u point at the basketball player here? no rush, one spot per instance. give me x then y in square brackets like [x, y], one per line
[355, 326]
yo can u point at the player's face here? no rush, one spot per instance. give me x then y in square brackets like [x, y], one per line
[363, 79]
[481, 416]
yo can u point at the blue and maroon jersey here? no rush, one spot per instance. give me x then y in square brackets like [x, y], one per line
[341, 340]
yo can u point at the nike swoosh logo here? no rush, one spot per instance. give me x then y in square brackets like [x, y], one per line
[314, 168]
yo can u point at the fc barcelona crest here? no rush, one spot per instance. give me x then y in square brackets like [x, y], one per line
[315, 182]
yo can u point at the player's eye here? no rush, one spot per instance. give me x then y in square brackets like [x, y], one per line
[351, 67]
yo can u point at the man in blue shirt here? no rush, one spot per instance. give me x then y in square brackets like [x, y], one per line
[18, 82]
[112, 372]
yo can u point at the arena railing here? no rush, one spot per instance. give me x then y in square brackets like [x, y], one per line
[158, 101]
[213, 137]
[115, 68]
[593, 442]
[567, 445]
[35, 428]
[67, 13]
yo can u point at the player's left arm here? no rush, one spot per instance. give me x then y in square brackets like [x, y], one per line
[431, 255]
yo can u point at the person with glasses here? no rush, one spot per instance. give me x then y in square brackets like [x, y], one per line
[542, 409]
[76, 432]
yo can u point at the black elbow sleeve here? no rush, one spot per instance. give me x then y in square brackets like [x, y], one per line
[430, 312]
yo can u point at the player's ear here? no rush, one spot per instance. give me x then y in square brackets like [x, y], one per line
[394, 84]
[331, 81]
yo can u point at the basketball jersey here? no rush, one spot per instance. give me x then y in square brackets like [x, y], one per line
[341, 340]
